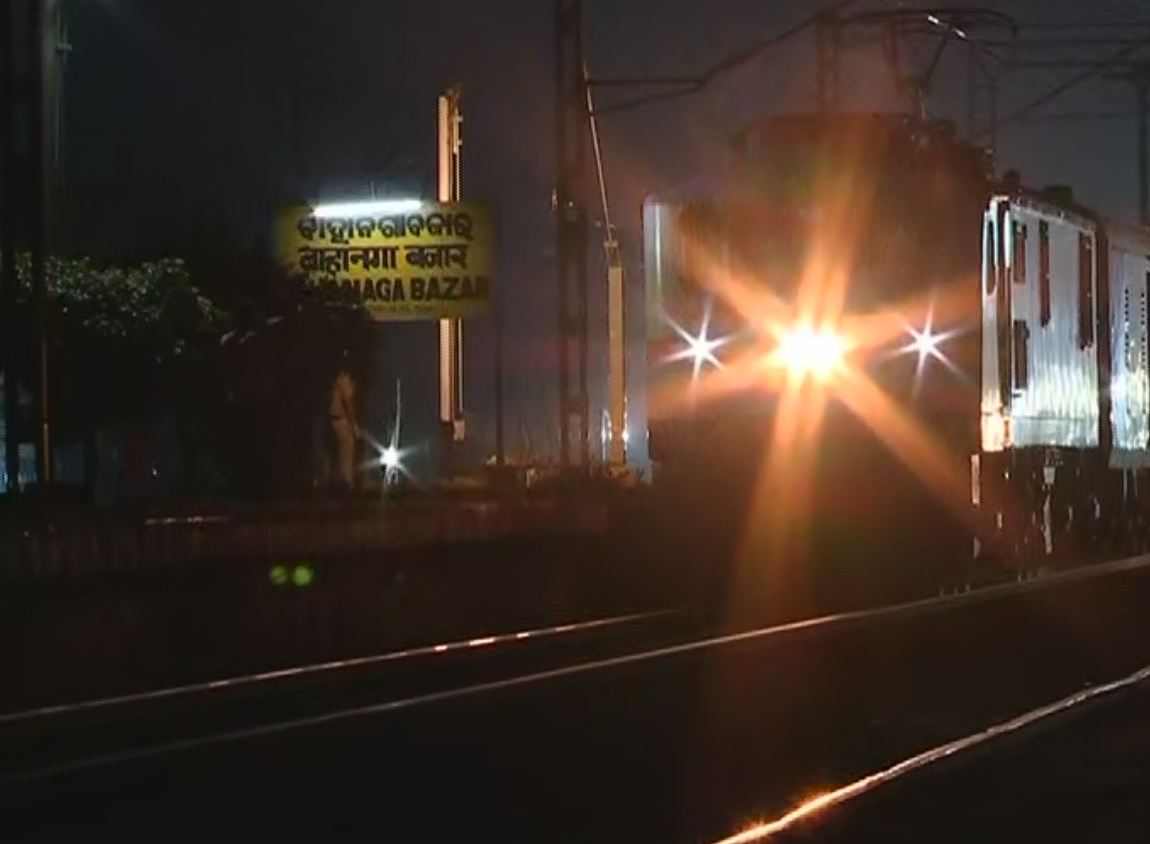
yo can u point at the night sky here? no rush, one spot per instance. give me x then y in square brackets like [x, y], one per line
[234, 108]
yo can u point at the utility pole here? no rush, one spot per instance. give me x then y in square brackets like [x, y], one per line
[450, 330]
[571, 229]
[1139, 75]
[29, 91]
[61, 49]
[1143, 90]
[971, 89]
[42, 32]
[9, 191]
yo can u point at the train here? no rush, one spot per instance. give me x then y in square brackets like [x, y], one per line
[1064, 463]
[877, 367]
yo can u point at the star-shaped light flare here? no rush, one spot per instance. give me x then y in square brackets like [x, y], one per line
[700, 348]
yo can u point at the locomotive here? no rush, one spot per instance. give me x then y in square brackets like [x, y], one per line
[812, 372]
[864, 342]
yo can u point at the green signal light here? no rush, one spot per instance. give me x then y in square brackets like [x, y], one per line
[278, 575]
[302, 575]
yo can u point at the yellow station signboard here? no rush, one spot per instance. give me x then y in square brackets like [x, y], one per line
[403, 259]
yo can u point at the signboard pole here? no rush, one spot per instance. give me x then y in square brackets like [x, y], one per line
[450, 330]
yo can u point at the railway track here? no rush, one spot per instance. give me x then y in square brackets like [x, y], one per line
[238, 707]
[1073, 770]
[842, 813]
[48, 740]
[626, 721]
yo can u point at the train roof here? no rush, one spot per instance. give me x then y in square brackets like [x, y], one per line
[1051, 206]
[1133, 237]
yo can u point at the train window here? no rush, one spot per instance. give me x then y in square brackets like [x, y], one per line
[1044, 273]
[988, 258]
[1142, 350]
[1126, 324]
[1018, 251]
[1021, 355]
[1085, 291]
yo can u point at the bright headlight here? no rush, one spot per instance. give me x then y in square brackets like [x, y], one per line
[807, 351]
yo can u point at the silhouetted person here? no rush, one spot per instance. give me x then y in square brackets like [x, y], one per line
[344, 427]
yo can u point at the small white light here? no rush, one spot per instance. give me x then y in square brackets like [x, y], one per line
[366, 207]
[700, 348]
[924, 342]
[389, 457]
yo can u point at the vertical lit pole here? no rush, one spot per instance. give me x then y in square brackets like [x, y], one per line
[616, 304]
[450, 330]
[616, 354]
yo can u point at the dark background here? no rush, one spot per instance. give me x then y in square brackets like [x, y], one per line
[184, 115]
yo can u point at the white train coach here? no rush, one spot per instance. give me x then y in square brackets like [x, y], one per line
[1064, 466]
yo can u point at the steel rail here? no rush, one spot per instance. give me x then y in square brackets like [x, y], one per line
[317, 669]
[827, 622]
[865, 785]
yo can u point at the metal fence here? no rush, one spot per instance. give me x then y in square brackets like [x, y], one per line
[160, 543]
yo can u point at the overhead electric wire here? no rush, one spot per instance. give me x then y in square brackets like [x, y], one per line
[1073, 82]
[988, 48]
[597, 149]
[1081, 115]
[1048, 43]
[1079, 26]
[691, 85]
[686, 85]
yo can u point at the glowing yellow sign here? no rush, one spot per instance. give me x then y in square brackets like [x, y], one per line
[404, 259]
